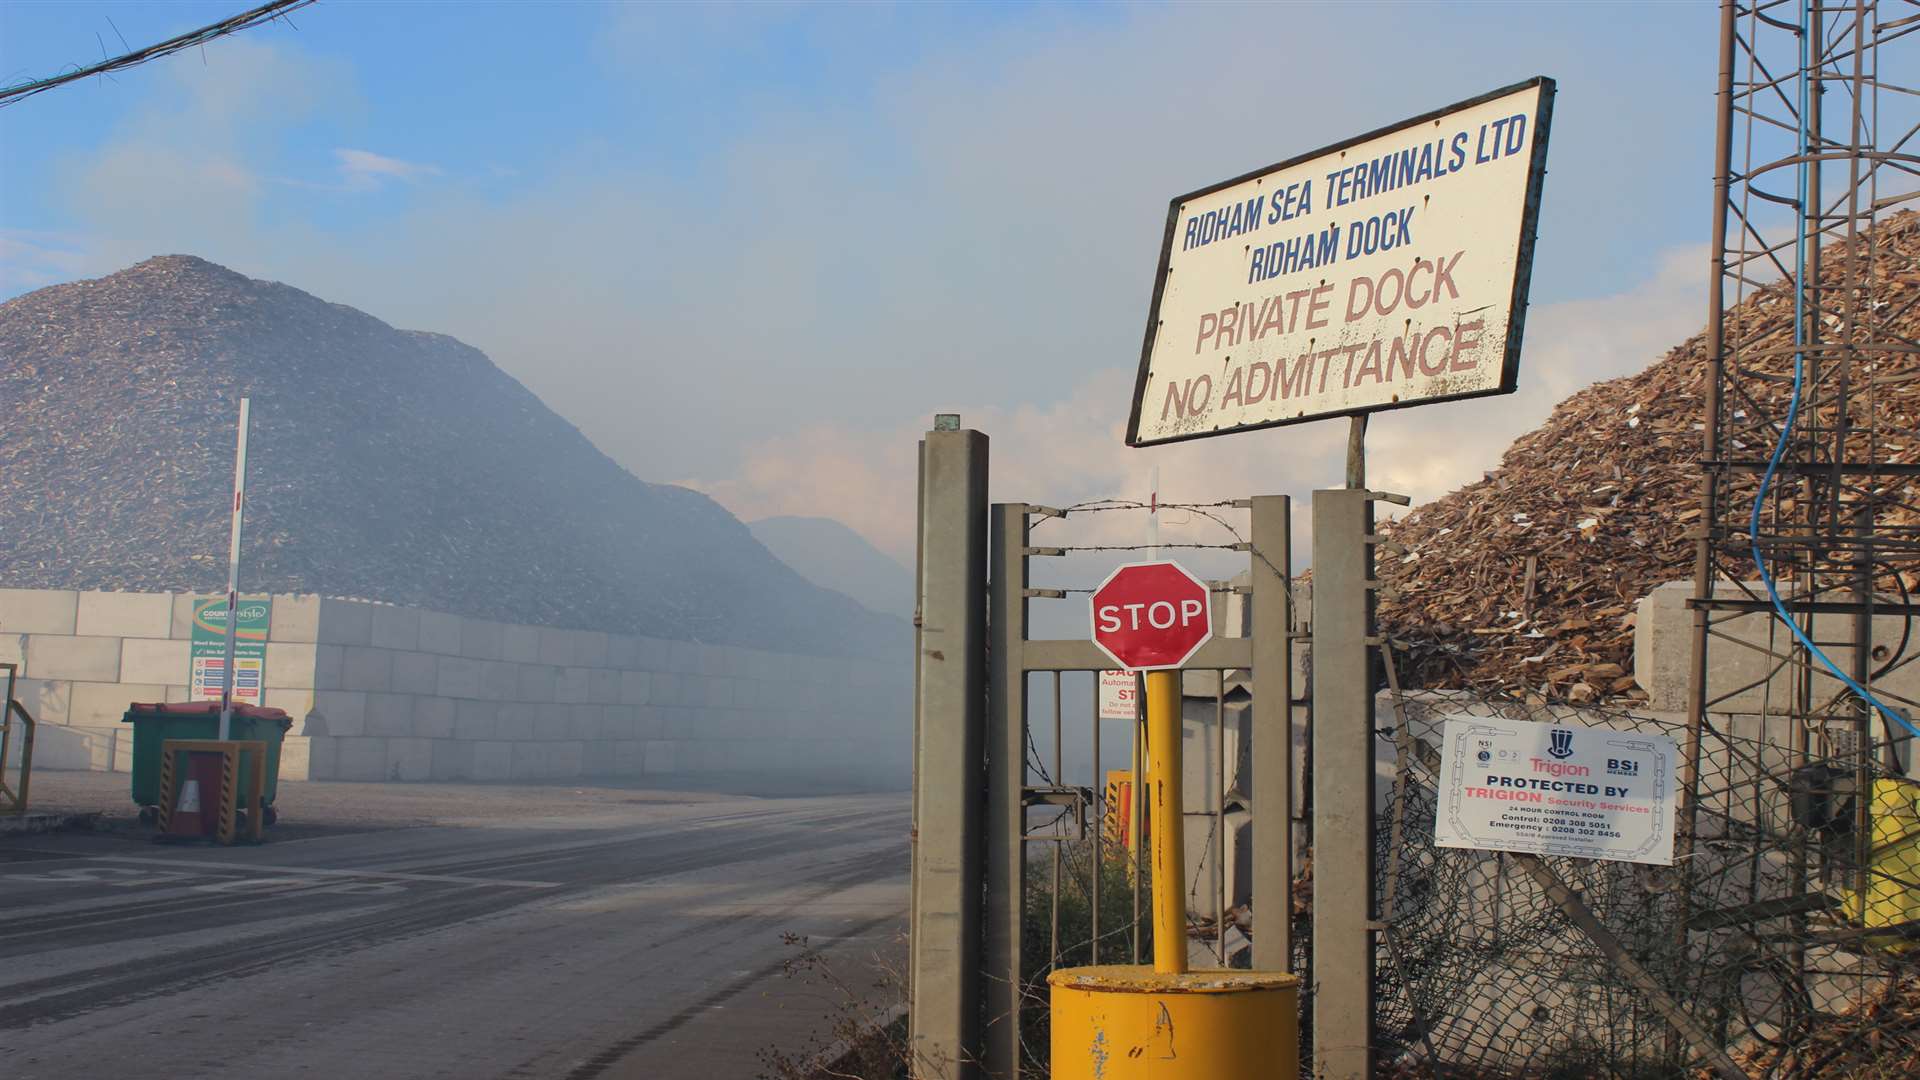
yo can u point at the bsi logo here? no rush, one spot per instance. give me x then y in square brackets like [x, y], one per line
[1560, 743]
[1623, 767]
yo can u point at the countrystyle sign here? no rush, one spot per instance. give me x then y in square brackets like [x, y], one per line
[208, 663]
[1557, 789]
[1386, 271]
[1151, 615]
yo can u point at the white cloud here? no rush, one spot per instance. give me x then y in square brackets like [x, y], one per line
[30, 259]
[364, 170]
[1073, 450]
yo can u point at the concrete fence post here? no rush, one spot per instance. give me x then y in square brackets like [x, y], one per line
[950, 668]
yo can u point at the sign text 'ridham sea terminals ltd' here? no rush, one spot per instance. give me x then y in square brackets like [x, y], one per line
[1387, 271]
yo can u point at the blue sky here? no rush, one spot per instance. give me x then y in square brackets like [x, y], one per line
[752, 247]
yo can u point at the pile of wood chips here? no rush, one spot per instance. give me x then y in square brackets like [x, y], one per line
[1525, 583]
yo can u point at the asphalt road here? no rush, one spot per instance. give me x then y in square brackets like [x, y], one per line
[505, 932]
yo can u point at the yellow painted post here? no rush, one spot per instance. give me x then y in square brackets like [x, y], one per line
[1165, 830]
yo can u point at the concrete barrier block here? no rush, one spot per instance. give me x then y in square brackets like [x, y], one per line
[656, 654]
[635, 687]
[323, 757]
[500, 680]
[341, 713]
[347, 622]
[574, 686]
[389, 714]
[163, 662]
[713, 659]
[329, 666]
[440, 633]
[81, 748]
[492, 760]
[520, 644]
[296, 758]
[629, 757]
[88, 659]
[38, 611]
[13, 650]
[102, 704]
[409, 759]
[476, 719]
[482, 639]
[460, 677]
[623, 651]
[180, 624]
[660, 757]
[416, 673]
[653, 723]
[295, 618]
[556, 646]
[433, 717]
[551, 720]
[598, 759]
[360, 759]
[516, 721]
[364, 668]
[529, 761]
[590, 648]
[124, 614]
[292, 665]
[603, 686]
[395, 628]
[663, 688]
[583, 721]
[452, 759]
[538, 682]
[682, 656]
[294, 701]
[619, 722]
[682, 724]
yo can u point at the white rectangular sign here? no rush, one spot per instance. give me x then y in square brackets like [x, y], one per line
[1119, 695]
[1387, 271]
[1557, 789]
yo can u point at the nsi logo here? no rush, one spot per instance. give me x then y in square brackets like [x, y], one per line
[1560, 744]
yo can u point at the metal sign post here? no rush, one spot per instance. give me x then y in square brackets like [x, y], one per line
[233, 574]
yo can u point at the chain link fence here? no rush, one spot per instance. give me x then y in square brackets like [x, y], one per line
[1784, 931]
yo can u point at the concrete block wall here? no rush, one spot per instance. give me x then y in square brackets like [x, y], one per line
[1738, 681]
[380, 692]
[85, 656]
[405, 694]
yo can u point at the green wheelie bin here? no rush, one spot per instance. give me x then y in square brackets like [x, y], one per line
[155, 724]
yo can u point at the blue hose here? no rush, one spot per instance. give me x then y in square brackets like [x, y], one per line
[1793, 412]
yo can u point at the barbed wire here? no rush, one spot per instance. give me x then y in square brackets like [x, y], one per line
[277, 9]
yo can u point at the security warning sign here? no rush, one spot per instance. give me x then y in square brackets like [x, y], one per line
[1386, 271]
[1557, 789]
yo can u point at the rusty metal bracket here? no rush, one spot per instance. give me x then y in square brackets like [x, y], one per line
[1074, 800]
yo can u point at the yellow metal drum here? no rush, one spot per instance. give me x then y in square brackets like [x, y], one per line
[1125, 1022]
[1891, 897]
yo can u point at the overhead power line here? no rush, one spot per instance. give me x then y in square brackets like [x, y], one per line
[245, 20]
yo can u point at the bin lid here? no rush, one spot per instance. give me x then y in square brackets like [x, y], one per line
[198, 708]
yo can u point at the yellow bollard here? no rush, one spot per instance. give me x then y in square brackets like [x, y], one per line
[1133, 1022]
[1168, 830]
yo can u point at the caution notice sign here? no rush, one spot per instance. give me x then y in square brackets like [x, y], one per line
[1557, 789]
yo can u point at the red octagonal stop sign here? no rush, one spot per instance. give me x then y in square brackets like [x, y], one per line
[1151, 615]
